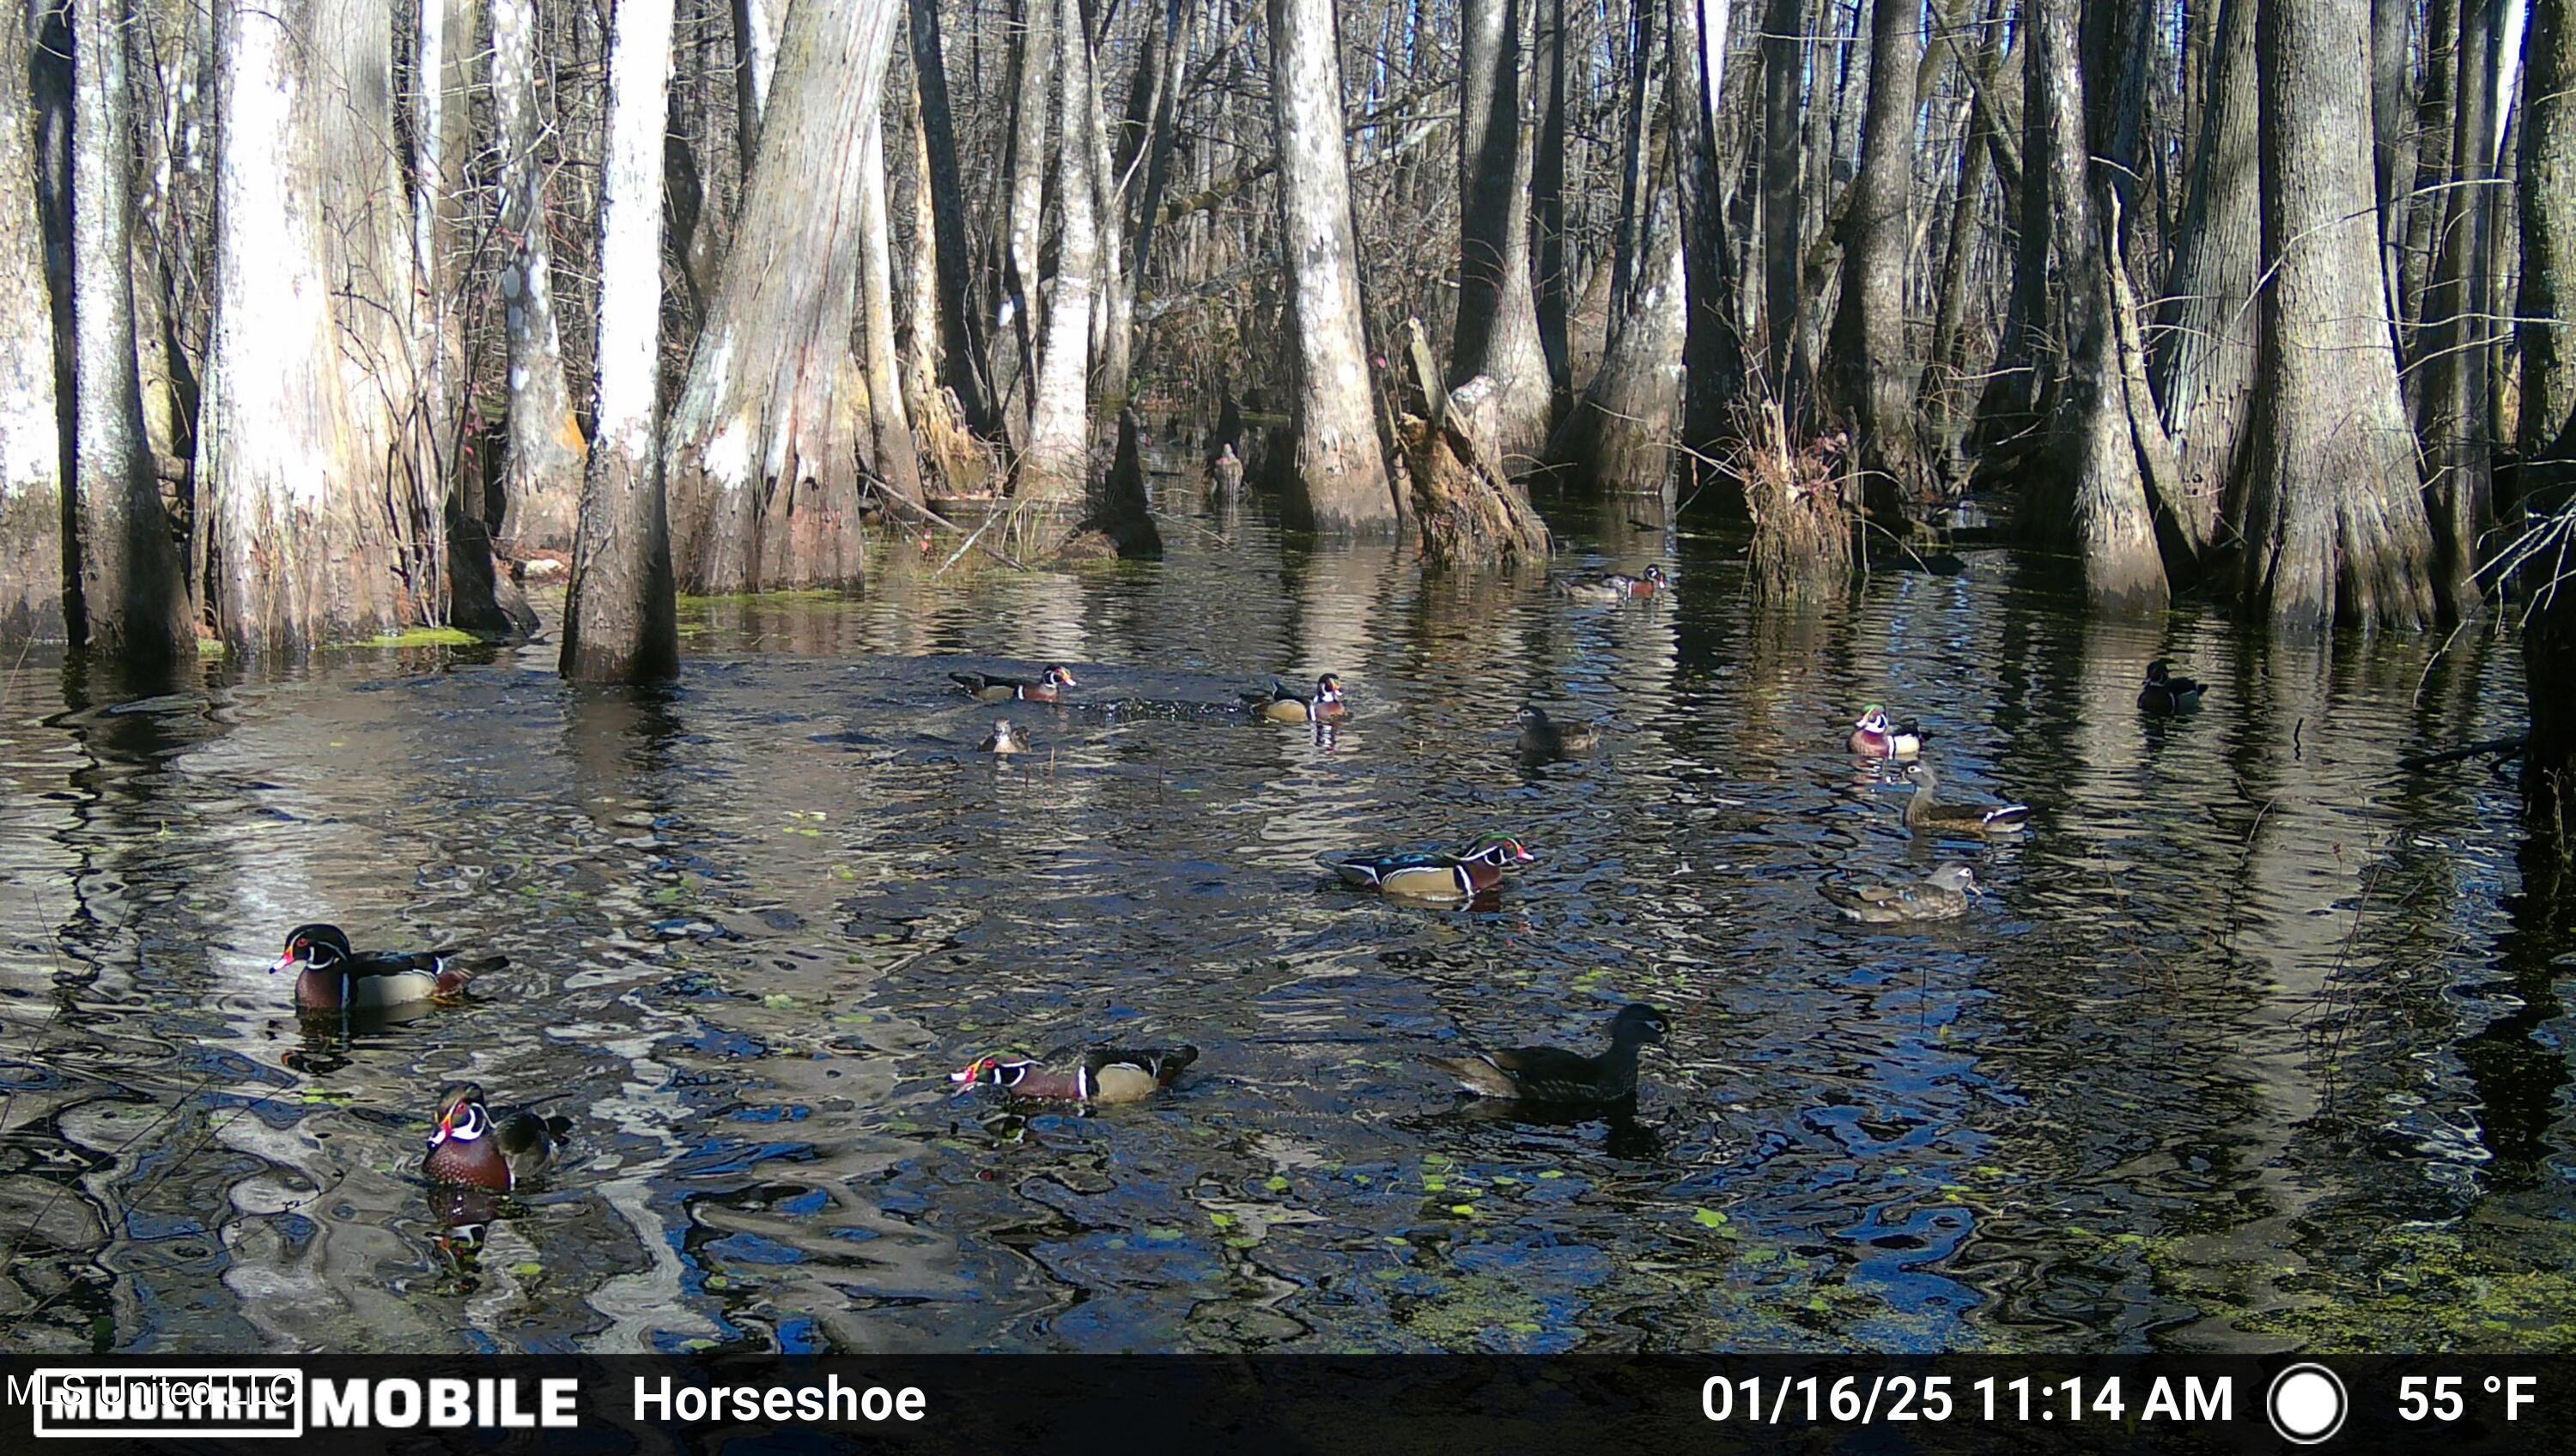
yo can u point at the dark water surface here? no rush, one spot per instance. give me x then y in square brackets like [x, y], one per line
[2255, 1045]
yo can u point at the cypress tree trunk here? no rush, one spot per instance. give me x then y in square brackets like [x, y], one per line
[898, 465]
[2392, 138]
[31, 500]
[322, 530]
[1497, 332]
[961, 349]
[762, 446]
[2546, 306]
[618, 620]
[1874, 371]
[1547, 198]
[134, 604]
[1783, 54]
[1058, 457]
[1337, 480]
[2090, 422]
[1023, 210]
[2204, 353]
[2333, 526]
[1618, 438]
[1712, 344]
[541, 474]
[2453, 411]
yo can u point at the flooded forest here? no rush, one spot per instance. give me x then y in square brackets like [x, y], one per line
[535, 475]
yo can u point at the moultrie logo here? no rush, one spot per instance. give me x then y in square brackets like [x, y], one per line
[97, 1401]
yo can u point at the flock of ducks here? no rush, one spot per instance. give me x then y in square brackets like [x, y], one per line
[474, 1146]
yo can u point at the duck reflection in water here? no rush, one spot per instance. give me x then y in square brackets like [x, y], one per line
[330, 1036]
[1625, 1137]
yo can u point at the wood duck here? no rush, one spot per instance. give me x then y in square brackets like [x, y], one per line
[1543, 737]
[1432, 876]
[1551, 1074]
[1004, 739]
[2165, 693]
[1942, 895]
[1101, 1076]
[1283, 704]
[1923, 812]
[475, 1147]
[335, 978]
[1876, 736]
[986, 688]
[1615, 586]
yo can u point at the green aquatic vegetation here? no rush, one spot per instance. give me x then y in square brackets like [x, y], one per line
[2472, 1286]
[423, 637]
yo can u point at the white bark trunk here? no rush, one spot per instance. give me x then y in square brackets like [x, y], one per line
[541, 479]
[1059, 450]
[31, 501]
[618, 622]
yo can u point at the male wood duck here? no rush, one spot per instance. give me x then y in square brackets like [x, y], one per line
[2165, 693]
[1101, 1076]
[1923, 812]
[1614, 586]
[1283, 704]
[335, 978]
[1942, 895]
[1432, 876]
[1543, 737]
[1004, 739]
[986, 688]
[476, 1147]
[1878, 736]
[1551, 1074]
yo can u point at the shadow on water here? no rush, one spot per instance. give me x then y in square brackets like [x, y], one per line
[2254, 1044]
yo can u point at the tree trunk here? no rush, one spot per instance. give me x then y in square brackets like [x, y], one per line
[1497, 330]
[1337, 479]
[962, 349]
[2441, 37]
[1619, 436]
[134, 603]
[1873, 366]
[1547, 201]
[2090, 424]
[541, 475]
[1712, 343]
[32, 576]
[2392, 137]
[1057, 460]
[2333, 526]
[2453, 408]
[323, 521]
[2549, 754]
[619, 621]
[1784, 52]
[898, 465]
[2545, 309]
[2022, 374]
[1024, 205]
[2205, 337]
[762, 445]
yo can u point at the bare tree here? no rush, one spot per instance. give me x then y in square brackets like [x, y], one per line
[1058, 459]
[2546, 308]
[1337, 479]
[133, 602]
[31, 476]
[2204, 353]
[1497, 332]
[542, 470]
[619, 624]
[763, 442]
[898, 465]
[2332, 524]
[324, 526]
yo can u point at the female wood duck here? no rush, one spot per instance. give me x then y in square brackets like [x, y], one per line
[1876, 736]
[335, 978]
[2165, 693]
[1923, 812]
[1543, 737]
[1004, 739]
[1432, 876]
[1550, 1074]
[986, 688]
[1615, 586]
[1943, 895]
[1283, 704]
[475, 1147]
[1101, 1076]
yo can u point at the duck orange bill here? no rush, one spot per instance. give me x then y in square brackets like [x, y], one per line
[285, 962]
[446, 1125]
[965, 1077]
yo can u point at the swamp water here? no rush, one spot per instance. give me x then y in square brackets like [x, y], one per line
[2254, 1044]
